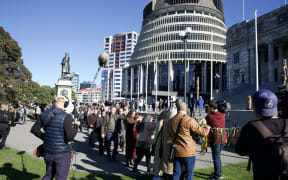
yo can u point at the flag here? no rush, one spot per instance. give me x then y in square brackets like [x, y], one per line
[170, 71]
[155, 75]
[187, 66]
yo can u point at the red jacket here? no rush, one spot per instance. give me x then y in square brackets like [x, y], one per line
[216, 120]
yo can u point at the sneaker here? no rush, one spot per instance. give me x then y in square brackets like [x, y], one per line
[216, 178]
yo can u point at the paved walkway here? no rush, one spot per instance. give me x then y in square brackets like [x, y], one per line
[89, 160]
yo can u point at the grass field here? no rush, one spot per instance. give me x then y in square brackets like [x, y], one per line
[17, 165]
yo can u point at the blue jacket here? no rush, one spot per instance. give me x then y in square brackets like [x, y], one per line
[200, 102]
[54, 137]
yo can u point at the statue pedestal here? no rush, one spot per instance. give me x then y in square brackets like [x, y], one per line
[64, 88]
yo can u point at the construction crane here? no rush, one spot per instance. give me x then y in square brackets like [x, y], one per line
[102, 60]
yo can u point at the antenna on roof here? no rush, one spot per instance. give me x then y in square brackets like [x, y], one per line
[244, 10]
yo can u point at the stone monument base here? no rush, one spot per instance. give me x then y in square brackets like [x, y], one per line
[64, 88]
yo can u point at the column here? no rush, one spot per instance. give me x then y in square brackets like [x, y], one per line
[141, 79]
[131, 83]
[252, 66]
[270, 63]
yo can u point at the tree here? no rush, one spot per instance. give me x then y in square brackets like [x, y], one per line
[74, 98]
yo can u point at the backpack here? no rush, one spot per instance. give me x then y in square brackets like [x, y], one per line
[277, 145]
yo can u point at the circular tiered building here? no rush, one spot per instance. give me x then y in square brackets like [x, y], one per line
[158, 60]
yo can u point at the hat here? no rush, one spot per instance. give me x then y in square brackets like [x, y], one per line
[265, 102]
[61, 98]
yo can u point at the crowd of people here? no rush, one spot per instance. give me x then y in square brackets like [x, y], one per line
[170, 137]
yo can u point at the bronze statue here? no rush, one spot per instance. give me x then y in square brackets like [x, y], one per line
[284, 73]
[65, 65]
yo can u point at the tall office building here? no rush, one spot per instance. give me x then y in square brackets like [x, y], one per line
[161, 43]
[75, 81]
[120, 48]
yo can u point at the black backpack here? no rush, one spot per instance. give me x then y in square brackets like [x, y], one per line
[277, 146]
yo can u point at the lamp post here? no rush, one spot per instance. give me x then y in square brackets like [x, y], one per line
[184, 35]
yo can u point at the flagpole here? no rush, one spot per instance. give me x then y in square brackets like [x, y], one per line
[146, 86]
[256, 51]
[156, 79]
[211, 69]
[243, 10]
[169, 71]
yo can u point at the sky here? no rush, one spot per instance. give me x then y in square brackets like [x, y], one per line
[46, 29]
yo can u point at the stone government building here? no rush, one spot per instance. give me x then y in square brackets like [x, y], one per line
[159, 43]
[272, 49]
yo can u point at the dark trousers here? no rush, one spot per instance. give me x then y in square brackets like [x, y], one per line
[192, 111]
[141, 152]
[216, 152]
[109, 138]
[4, 131]
[57, 165]
[100, 140]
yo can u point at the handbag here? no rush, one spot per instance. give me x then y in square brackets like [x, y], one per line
[172, 146]
[40, 151]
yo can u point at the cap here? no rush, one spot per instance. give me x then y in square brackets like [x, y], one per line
[265, 102]
[61, 98]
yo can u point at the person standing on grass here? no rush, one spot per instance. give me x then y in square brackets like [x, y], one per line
[185, 145]
[252, 140]
[216, 119]
[5, 123]
[58, 128]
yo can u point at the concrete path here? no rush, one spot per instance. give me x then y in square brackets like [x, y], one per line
[89, 160]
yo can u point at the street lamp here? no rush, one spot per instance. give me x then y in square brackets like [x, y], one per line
[184, 35]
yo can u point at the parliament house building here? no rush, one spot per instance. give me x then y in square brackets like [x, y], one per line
[158, 61]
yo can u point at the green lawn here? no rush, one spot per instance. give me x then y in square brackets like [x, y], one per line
[17, 165]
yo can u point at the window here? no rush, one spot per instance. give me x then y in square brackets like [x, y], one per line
[129, 36]
[107, 40]
[237, 76]
[283, 18]
[236, 58]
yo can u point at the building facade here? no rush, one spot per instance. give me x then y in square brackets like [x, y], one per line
[86, 85]
[120, 48]
[272, 49]
[83, 97]
[158, 60]
[75, 81]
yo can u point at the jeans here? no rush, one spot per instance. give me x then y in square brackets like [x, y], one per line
[57, 165]
[111, 137]
[200, 110]
[216, 151]
[189, 164]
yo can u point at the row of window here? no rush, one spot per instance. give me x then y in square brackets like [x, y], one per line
[175, 36]
[180, 56]
[180, 27]
[197, 55]
[177, 46]
[183, 18]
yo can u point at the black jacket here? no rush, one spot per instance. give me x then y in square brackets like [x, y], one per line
[251, 142]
